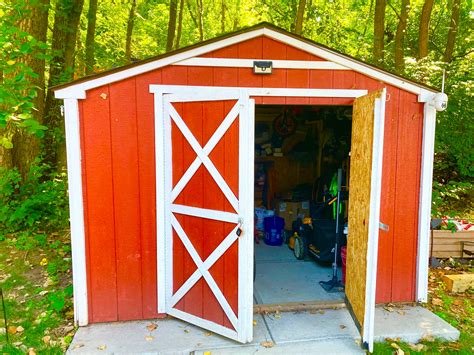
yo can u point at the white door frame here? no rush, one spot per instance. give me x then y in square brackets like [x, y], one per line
[164, 179]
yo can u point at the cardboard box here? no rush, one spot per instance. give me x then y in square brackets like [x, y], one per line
[291, 210]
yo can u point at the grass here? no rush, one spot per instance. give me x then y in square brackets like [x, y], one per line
[455, 308]
[35, 278]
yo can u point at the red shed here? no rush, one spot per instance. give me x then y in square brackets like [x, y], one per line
[162, 159]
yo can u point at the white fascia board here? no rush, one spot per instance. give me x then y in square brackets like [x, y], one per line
[78, 91]
[424, 209]
[76, 211]
[248, 63]
[344, 61]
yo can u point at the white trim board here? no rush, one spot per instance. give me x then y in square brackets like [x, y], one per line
[78, 91]
[196, 91]
[424, 208]
[374, 220]
[76, 211]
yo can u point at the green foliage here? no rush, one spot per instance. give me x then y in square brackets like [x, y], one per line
[454, 199]
[17, 90]
[36, 205]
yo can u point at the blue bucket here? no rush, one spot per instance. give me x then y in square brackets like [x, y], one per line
[273, 227]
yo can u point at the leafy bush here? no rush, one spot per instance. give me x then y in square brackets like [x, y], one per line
[36, 205]
[454, 198]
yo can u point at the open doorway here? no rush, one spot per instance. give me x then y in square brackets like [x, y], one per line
[299, 152]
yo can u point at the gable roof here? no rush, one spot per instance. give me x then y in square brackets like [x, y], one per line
[77, 88]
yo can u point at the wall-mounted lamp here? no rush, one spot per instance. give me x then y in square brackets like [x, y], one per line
[262, 67]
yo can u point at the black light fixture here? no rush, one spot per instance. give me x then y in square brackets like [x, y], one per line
[262, 67]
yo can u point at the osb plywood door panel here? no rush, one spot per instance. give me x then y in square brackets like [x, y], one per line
[359, 202]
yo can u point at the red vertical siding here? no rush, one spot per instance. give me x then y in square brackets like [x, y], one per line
[387, 208]
[405, 223]
[146, 165]
[117, 135]
[99, 202]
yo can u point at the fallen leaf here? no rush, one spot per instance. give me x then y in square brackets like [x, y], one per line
[322, 312]
[207, 353]
[395, 345]
[254, 322]
[149, 338]
[11, 329]
[402, 313]
[267, 344]
[399, 352]
[358, 341]
[458, 302]
[416, 347]
[151, 327]
[208, 334]
[186, 330]
[102, 347]
[437, 302]
[79, 345]
[46, 339]
[20, 329]
[44, 262]
[342, 326]
[42, 293]
[388, 309]
[428, 338]
[31, 351]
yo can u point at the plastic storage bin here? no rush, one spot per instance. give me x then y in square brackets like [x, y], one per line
[273, 227]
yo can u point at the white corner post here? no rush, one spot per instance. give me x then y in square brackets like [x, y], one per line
[76, 211]
[424, 214]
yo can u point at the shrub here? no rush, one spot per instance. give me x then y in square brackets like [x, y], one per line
[38, 204]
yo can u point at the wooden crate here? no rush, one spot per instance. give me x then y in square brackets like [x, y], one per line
[446, 244]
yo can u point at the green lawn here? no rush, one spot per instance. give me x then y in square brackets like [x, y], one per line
[35, 278]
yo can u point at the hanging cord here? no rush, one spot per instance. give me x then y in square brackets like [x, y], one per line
[4, 315]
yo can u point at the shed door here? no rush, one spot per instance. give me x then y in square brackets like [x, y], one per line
[364, 210]
[208, 208]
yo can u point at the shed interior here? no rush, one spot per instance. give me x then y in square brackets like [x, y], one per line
[299, 150]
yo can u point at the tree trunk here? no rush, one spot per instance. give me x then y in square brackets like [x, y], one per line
[400, 35]
[236, 23]
[171, 25]
[379, 29]
[26, 147]
[424, 28]
[300, 16]
[66, 24]
[128, 38]
[453, 29]
[200, 19]
[222, 16]
[90, 38]
[180, 24]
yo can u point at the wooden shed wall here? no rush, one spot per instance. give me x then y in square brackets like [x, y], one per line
[117, 143]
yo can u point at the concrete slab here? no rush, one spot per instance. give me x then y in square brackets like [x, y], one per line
[309, 332]
[290, 327]
[334, 346]
[172, 336]
[411, 324]
[281, 278]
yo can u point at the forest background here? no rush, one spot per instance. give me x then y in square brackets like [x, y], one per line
[48, 42]
[44, 43]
